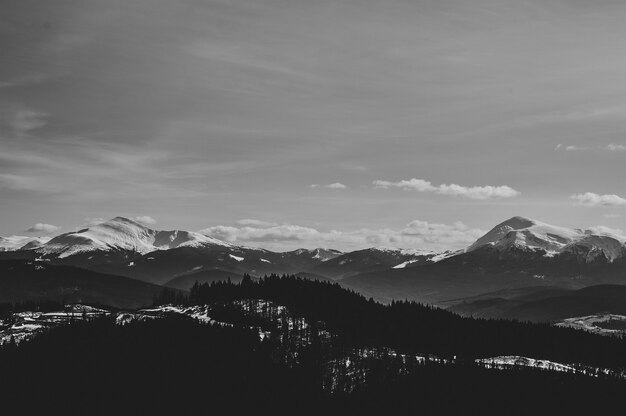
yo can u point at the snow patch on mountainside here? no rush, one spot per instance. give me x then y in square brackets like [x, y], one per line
[404, 264]
[446, 254]
[322, 254]
[237, 258]
[507, 361]
[603, 324]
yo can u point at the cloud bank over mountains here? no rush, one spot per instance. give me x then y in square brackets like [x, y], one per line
[416, 234]
[42, 228]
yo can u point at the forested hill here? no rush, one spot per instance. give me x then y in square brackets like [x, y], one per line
[415, 328]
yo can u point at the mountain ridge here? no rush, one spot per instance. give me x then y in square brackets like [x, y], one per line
[518, 251]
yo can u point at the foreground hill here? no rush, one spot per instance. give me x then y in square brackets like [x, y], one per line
[177, 365]
[295, 346]
[27, 280]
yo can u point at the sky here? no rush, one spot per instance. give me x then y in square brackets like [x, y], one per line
[299, 123]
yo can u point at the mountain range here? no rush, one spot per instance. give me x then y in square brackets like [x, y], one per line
[516, 254]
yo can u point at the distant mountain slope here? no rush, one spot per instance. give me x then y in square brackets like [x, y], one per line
[27, 280]
[164, 265]
[16, 242]
[186, 281]
[370, 260]
[438, 282]
[587, 301]
[545, 304]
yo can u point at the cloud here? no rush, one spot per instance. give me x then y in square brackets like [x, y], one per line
[612, 215]
[336, 185]
[411, 184]
[608, 231]
[23, 183]
[472, 192]
[42, 228]
[145, 219]
[255, 223]
[24, 80]
[616, 147]
[478, 192]
[573, 148]
[611, 147]
[23, 120]
[569, 148]
[416, 234]
[590, 199]
[263, 233]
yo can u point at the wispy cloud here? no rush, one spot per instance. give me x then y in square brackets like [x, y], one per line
[336, 185]
[145, 219]
[24, 80]
[21, 121]
[591, 199]
[42, 228]
[570, 148]
[24, 183]
[611, 147]
[616, 147]
[471, 192]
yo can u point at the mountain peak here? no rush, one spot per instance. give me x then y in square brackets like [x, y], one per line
[121, 233]
[526, 234]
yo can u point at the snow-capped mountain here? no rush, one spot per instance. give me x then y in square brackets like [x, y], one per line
[518, 235]
[127, 248]
[124, 234]
[16, 242]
